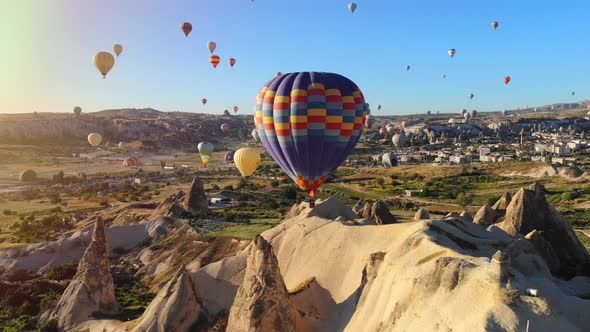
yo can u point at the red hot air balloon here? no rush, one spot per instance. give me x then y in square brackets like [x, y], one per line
[236, 109]
[130, 162]
[506, 79]
[495, 25]
[279, 73]
[383, 131]
[225, 127]
[204, 101]
[232, 62]
[214, 59]
[186, 28]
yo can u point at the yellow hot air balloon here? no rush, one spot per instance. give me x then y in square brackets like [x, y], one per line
[211, 46]
[247, 160]
[118, 48]
[94, 139]
[104, 62]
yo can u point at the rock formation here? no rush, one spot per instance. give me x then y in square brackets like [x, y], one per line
[380, 214]
[529, 211]
[466, 216]
[196, 200]
[503, 202]
[453, 215]
[262, 302]
[421, 215]
[91, 293]
[358, 208]
[366, 211]
[175, 308]
[486, 216]
[171, 206]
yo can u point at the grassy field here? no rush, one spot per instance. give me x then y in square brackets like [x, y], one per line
[248, 231]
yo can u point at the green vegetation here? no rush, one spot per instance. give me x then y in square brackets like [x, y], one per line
[131, 292]
[584, 239]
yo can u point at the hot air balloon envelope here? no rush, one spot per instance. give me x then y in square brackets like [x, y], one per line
[211, 46]
[309, 122]
[229, 156]
[247, 160]
[352, 7]
[186, 27]
[95, 139]
[118, 49]
[232, 62]
[104, 62]
[214, 60]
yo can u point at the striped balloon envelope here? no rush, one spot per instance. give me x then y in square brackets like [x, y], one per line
[214, 59]
[130, 162]
[309, 122]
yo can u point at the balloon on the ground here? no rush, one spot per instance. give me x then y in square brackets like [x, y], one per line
[309, 122]
[229, 156]
[214, 60]
[463, 111]
[225, 127]
[104, 62]
[95, 139]
[27, 176]
[383, 131]
[390, 129]
[389, 159]
[232, 62]
[473, 113]
[205, 151]
[122, 144]
[352, 7]
[186, 27]
[247, 160]
[130, 162]
[255, 135]
[118, 49]
[399, 140]
[211, 46]
[77, 110]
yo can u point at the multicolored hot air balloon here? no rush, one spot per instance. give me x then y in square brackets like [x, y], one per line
[104, 62]
[225, 127]
[309, 122]
[118, 49]
[352, 7]
[204, 101]
[229, 156]
[247, 161]
[369, 121]
[452, 52]
[130, 162]
[211, 46]
[77, 110]
[186, 27]
[205, 151]
[232, 62]
[236, 109]
[495, 25]
[214, 59]
[506, 80]
[95, 139]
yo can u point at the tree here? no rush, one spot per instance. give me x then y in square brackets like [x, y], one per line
[464, 199]
[83, 177]
[59, 177]
[380, 181]
[242, 184]
[17, 275]
[30, 194]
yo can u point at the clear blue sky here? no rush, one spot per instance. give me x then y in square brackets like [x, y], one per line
[48, 46]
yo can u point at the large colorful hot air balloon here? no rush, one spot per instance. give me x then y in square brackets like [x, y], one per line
[77, 110]
[186, 28]
[130, 162]
[205, 151]
[225, 127]
[204, 101]
[247, 161]
[211, 46]
[214, 59]
[236, 109]
[352, 7]
[118, 49]
[452, 52]
[104, 62]
[369, 121]
[495, 25]
[309, 122]
[94, 139]
[229, 156]
[506, 79]
[232, 62]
